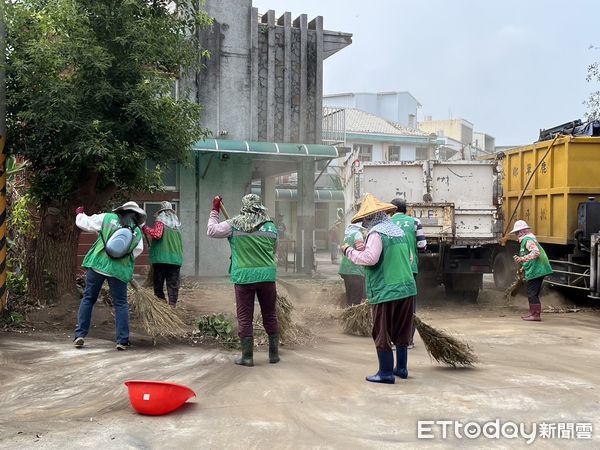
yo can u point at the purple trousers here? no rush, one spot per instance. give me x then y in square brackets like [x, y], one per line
[267, 299]
[393, 324]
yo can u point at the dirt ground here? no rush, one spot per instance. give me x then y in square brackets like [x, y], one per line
[54, 396]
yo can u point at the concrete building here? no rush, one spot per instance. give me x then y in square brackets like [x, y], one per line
[456, 136]
[262, 96]
[400, 107]
[483, 143]
[373, 138]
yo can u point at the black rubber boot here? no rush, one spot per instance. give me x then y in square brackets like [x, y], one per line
[401, 369]
[273, 348]
[386, 369]
[247, 352]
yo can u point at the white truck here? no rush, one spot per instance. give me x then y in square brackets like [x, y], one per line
[458, 205]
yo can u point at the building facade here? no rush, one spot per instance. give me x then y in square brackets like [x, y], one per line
[399, 107]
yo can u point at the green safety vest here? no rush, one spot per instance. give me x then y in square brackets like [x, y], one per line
[392, 277]
[253, 255]
[539, 267]
[98, 260]
[347, 267]
[168, 249]
[409, 226]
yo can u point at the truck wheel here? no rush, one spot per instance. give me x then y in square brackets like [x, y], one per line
[505, 270]
[463, 287]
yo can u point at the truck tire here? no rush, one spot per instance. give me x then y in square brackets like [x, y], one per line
[505, 270]
[463, 287]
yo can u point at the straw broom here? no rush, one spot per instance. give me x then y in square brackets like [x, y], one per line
[512, 290]
[440, 346]
[156, 317]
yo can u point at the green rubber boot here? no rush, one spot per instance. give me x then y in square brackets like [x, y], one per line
[247, 352]
[273, 348]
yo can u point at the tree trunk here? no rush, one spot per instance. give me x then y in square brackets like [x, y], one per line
[54, 262]
[52, 269]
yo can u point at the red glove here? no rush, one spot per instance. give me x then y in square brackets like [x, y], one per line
[216, 204]
[79, 210]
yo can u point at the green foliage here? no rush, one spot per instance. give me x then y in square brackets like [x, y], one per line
[12, 319]
[219, 327]
[89, 90]
[593, 101]
[16, 283]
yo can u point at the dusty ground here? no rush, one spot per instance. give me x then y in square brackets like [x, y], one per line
[55, 396]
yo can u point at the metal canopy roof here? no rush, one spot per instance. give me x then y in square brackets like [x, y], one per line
[266, 148]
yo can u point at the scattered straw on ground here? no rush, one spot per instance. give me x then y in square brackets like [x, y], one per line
[290, 332]
[444, 348]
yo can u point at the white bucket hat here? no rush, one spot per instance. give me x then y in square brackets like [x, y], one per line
[519, 226]
[132, 206]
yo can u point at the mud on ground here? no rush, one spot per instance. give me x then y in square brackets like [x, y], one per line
[55, 396]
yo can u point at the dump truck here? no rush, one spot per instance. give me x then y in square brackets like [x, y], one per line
[466, 207]
[554, 185]
[457, 203]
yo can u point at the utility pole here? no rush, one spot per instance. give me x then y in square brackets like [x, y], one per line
[3, 292]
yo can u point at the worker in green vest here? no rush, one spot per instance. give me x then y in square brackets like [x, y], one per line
[535, 265]
[118, 271]
[252, 237]
[166, 252]
[416, 240]
[353, 274]
[391, 286]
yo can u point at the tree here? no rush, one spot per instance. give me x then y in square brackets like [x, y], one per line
[89, 102]
[593, 101]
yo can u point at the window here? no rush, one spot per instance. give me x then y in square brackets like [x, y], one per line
[365, 152]
[394, 153]
[151, 208]
[421, 154]
[170, 174]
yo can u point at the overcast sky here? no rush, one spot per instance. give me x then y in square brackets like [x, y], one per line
[510, 67]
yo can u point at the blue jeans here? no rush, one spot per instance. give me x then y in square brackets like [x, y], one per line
[118, 292]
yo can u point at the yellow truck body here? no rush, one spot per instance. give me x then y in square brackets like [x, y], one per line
[567, 176]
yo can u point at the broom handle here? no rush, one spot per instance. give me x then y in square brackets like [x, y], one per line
[135, 284]
[225, 213]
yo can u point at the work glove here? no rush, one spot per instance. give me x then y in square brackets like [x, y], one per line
[518, 259]
[79, 210]
[216, 204]
[344, 248]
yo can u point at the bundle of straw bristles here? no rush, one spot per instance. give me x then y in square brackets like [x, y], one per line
[154, 315]
[440, 346]
[290, 332]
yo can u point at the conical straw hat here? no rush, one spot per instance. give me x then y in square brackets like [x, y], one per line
[371, 205]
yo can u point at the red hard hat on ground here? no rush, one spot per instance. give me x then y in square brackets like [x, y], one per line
[155, 398]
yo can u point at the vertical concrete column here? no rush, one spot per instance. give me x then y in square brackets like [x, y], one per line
[305, 216]
[286, 21]
[268, 193]
[302, 23]
[254, 75]
[270, 19]
[317, 25]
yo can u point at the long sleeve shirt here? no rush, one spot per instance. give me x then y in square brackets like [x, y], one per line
[532, 248]
[216, 229]
[421, 240]
[155, 232]
[371, 253]
[93, 224]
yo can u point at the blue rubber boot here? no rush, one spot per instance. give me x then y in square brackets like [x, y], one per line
[401, 369]
[385, 374]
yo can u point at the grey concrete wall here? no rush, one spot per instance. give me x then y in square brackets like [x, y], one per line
[228, 178]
